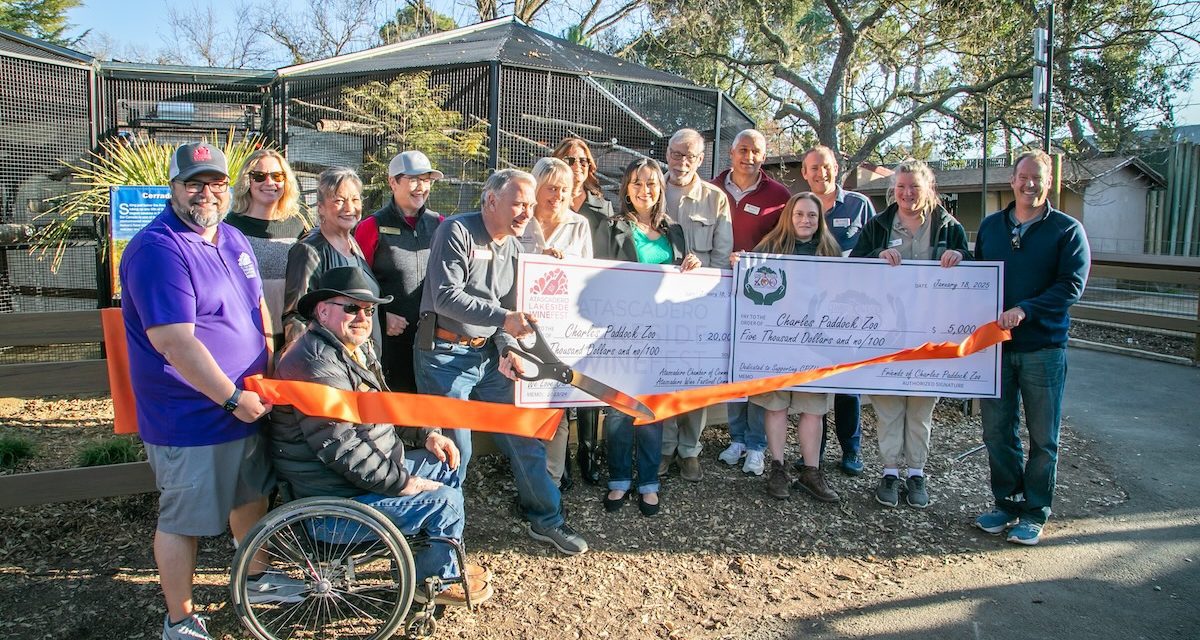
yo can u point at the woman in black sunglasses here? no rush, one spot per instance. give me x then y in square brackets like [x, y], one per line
[266, 208]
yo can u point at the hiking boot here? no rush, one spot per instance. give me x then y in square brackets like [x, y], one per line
[731, 455]
[272, 587]
[852, 464]
[664, 466]
[192, 628]
[995, 521]
[456, 596]
[778, 481]
[476, 572]
[1027, 532]
[563, 537]
[813, 481]
[888, 492]
[689, 469]
[754, 463]
[916, 496]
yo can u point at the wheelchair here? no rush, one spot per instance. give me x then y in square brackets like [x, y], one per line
[357, 568]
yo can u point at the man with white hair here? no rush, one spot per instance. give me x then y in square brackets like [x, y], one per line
[466, 322]
[703, 211]
[756, 201]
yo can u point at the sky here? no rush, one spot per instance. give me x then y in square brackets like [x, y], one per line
[112, 17]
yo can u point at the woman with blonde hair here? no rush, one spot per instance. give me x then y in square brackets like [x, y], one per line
[914, 227]
[266, 208]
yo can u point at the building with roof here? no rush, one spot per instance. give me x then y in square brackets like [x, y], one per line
[511, 91]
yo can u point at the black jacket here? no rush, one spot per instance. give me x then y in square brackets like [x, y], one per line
[307, 260]
[322, 457]
[876, 236]
[614, 240]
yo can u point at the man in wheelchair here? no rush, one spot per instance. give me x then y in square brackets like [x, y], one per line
[416, 489]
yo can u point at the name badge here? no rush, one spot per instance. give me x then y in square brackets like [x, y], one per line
[841, 222]
[896, 242]
[753, 210]
[482, 254]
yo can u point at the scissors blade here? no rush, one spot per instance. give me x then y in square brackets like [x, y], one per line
[610, 396]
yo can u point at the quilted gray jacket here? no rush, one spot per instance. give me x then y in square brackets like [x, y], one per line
[321, 457]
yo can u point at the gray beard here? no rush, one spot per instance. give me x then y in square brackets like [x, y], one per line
[204, 221]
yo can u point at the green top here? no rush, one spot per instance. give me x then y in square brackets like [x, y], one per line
[652, 251]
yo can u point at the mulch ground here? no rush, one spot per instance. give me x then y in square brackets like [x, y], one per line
[722, 560]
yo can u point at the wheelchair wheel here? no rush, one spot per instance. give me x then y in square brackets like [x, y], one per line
[351, 570]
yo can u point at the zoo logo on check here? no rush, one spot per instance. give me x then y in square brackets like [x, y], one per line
[764, 285]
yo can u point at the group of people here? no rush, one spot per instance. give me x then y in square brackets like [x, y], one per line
[409, 300]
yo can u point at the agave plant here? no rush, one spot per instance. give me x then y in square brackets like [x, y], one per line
[115, 164]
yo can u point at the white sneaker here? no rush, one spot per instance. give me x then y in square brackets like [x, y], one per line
[733, 454]
[754, 463]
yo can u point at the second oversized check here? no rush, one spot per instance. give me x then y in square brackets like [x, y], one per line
[640, 328]
[795, 313]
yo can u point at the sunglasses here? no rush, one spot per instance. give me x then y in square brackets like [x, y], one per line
[352, 309]
[261, 176]
[571, 160]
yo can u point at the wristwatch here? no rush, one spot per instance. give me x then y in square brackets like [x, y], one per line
[232, 403]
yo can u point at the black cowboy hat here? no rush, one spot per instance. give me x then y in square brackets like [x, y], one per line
[351, 282]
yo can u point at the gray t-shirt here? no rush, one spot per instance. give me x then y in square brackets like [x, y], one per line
[471, 279]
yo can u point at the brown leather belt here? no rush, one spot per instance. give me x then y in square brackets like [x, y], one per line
[450, 336]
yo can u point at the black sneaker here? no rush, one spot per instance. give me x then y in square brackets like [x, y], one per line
[888, 493]
[563, 537]
[917, 495]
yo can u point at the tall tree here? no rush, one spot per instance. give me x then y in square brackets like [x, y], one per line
[45, 19]
[415, 19]
[858, 75]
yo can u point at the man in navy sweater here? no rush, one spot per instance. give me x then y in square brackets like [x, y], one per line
[1046, 260]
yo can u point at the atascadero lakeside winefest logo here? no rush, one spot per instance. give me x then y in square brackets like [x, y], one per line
[764, 285]
[547, 298]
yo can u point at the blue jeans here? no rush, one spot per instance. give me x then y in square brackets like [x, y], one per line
[847, 422]
[458, 371]
[747, 425]
[435, 513]
[620, 435]
[1025, 488]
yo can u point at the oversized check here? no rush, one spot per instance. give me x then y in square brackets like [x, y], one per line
[795, 313]
[639, 328]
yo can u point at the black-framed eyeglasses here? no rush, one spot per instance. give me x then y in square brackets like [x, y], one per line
[690, 157]
[352, 309]
[261, 176]
[572, 160]
[195, 187]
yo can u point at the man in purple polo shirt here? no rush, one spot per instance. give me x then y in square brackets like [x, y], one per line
[755, 203]
[846, 213]
[192, 309]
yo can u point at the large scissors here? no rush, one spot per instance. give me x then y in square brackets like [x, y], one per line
[547, 366]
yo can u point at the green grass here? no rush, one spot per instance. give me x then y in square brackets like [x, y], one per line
[14, 449]
[116, 450]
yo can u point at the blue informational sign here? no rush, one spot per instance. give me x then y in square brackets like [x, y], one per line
[132, 208]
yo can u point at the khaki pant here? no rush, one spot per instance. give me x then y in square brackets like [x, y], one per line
[905, 423]
[556, 450]
[681, 434]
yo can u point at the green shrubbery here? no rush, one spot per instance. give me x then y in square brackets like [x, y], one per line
[13, 449]
[116, 450]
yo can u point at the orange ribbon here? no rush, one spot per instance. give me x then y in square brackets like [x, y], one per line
[362, 407]
[435, 411]
[666, 405]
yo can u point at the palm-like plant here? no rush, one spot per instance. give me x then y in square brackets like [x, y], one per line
[116, 164]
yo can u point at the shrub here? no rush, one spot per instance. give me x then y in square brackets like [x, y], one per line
[111, 451]
[14, 449]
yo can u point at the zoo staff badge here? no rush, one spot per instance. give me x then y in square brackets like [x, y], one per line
[764, 285]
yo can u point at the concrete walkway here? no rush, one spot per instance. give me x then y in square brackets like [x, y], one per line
[1132, 573]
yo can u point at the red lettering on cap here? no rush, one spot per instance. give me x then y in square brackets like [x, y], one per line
[201, 154]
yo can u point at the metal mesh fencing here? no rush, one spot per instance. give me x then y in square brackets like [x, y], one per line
[362, 122]
[175, 112]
